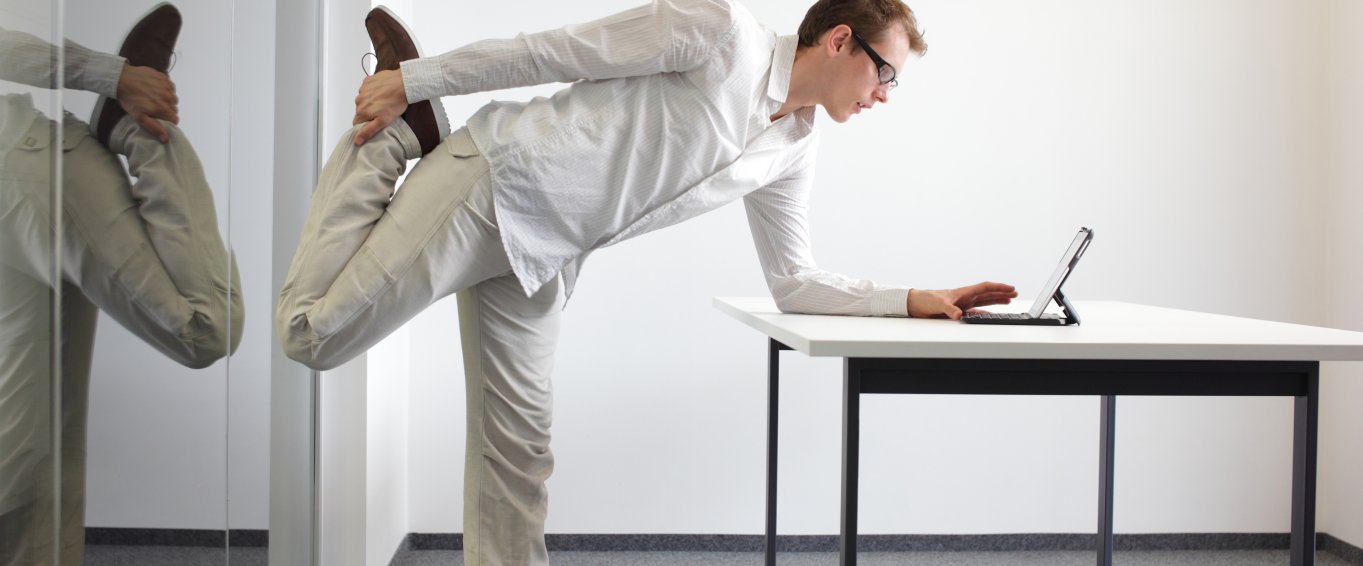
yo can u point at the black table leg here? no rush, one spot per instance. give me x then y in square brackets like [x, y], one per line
[773, 398]
[1304, 472]
[851, 425]
[1107, 426]
[1072, 377]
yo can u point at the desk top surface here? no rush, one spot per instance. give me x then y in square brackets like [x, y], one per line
[1110, 331]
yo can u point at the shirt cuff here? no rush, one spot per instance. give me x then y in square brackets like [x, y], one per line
[101, 74]
[421, 79]
[891, 302]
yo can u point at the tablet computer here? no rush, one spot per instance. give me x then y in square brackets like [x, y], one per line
[1052, 291]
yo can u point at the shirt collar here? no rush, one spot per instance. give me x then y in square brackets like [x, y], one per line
[778, 85]
[782, 61]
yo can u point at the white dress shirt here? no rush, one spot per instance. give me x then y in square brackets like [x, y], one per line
[668, 117]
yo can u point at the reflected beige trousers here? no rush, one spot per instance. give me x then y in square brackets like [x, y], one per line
[148, 253]
[371, 258]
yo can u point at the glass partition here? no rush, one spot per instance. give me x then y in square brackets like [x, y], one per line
[32, 390]
[120, 299]
[146, 181]
[142, 243]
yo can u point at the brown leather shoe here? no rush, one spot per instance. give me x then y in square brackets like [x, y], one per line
[150, 43]
[393, 44]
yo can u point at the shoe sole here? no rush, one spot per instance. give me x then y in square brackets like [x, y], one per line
[442, 123]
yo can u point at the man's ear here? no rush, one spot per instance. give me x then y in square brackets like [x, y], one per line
[837, 39]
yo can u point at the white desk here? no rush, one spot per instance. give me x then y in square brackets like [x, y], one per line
[1120, 349]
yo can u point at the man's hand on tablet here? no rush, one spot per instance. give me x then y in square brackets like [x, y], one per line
[952, 303]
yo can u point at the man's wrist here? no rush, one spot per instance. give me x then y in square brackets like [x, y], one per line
[418, 77]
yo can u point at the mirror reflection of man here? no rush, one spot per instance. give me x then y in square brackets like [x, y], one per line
[145, 251]
[675, 108]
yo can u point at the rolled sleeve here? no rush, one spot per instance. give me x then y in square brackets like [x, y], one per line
[892, 302]
[99, 75]
[421, 79]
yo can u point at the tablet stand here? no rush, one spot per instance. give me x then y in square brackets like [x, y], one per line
[1071, 315]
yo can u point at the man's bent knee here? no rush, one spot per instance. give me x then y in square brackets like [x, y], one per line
[298, 340]
[214, 338]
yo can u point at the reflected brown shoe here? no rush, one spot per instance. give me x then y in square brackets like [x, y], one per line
[394, 43]
[150, 43]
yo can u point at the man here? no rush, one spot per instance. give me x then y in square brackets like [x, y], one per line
[675, 109]
[148, 253]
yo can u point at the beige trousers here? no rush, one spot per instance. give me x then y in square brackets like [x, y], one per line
[372, 257]
[148, 253]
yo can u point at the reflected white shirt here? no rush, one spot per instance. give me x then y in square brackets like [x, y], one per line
[667, 118]
[28, 59]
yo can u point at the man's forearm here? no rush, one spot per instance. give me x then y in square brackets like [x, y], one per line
[29, 60]
[666, 36]
[93, 71]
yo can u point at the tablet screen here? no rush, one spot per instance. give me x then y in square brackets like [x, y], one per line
[1066, 264]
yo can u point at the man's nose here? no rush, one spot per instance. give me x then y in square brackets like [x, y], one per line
[882, 94]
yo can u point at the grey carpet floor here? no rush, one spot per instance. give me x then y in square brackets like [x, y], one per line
[179, 556]
[109, 555]
[1141, 558]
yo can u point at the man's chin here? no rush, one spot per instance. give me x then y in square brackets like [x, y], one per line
[841, 117]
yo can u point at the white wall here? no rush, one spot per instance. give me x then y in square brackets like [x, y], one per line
[293, 387]
[1188, 135]
[342, 466]
[251, 209]
[388, 498]
[1341, 425]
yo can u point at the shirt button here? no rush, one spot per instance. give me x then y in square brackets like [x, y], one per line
[29, 141]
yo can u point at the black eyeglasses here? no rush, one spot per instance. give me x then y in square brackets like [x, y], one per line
[886, 70]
